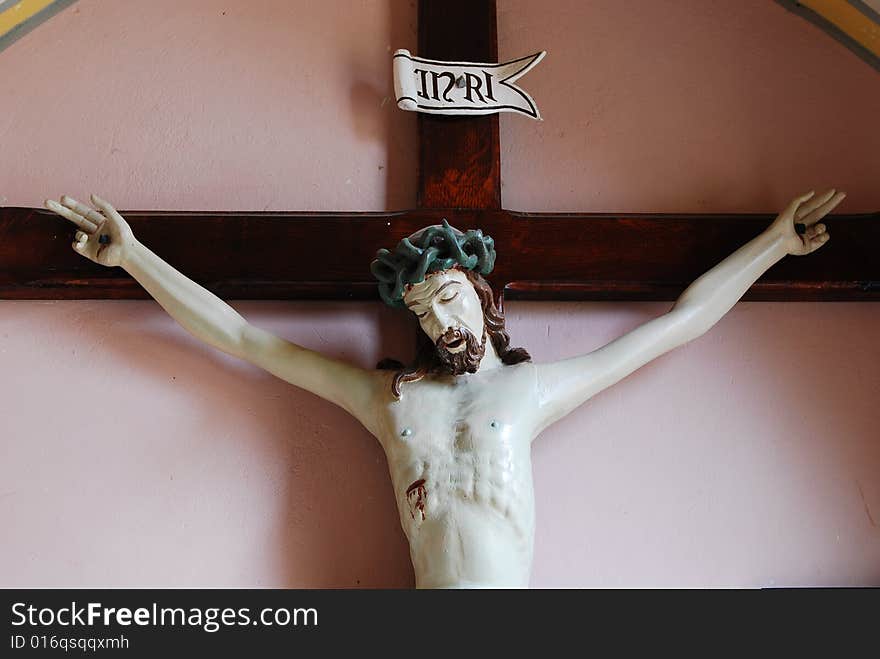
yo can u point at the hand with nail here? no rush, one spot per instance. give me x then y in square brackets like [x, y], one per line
[799, 224]
[103, 235]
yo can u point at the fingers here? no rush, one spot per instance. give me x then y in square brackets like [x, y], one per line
[818, 241]
[812, 204]
[83, 210]
[81, 240]
[108, 210]
[80, 221]
[813, 238]
[823, 209]
[797, 201]
[815, 231]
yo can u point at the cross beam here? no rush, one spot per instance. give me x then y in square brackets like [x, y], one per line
[302, 255]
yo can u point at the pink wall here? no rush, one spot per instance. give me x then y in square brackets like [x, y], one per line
[204, 105]
[132, 455]
[686, 106]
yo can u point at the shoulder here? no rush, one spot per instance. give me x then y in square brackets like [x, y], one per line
[522, 377]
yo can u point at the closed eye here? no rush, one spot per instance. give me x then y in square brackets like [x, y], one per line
[449, 298]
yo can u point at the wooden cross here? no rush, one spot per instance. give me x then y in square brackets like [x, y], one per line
[571, 256]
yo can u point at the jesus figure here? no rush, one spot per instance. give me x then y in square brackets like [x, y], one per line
[457, 425]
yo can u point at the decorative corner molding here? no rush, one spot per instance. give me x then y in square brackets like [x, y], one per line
[18, 17]
[854, 23]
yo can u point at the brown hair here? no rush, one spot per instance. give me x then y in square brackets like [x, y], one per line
[427, 360]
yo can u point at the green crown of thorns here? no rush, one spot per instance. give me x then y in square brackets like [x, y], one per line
[431, 249]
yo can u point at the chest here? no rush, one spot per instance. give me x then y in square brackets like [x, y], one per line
[462, 417]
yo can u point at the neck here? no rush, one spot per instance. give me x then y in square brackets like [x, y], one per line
[490, 359]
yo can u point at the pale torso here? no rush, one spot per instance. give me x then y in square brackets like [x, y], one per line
[458, 452]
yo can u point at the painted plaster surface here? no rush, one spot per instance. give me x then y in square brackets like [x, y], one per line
[132, 455]
[686, 107]
[204, 105]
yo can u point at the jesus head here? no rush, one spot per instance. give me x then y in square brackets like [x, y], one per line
[436, 274]
[450, 313]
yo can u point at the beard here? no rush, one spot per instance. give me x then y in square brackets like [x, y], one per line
[463, 361]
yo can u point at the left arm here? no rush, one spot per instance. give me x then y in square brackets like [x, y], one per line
[566, 384]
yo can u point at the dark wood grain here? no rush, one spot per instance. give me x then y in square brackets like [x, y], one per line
[540, 256]
[459, 157]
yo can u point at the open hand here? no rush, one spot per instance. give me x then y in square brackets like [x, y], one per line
[103, 237]
[806, 210]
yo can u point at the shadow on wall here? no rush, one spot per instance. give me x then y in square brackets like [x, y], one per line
[390, 127]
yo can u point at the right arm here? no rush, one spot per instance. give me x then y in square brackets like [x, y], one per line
[211, 320]
[568, 383]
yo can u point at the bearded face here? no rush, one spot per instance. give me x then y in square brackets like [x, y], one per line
[459, 351]
[450, 313]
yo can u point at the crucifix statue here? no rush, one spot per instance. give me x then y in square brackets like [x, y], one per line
[457, 425]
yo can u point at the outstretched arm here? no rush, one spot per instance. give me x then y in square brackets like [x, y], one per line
[566, 384]
[106, 238]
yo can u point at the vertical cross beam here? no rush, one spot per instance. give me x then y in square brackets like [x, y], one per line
[459, 157]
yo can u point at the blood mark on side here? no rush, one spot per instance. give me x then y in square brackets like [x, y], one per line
[416, 495]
